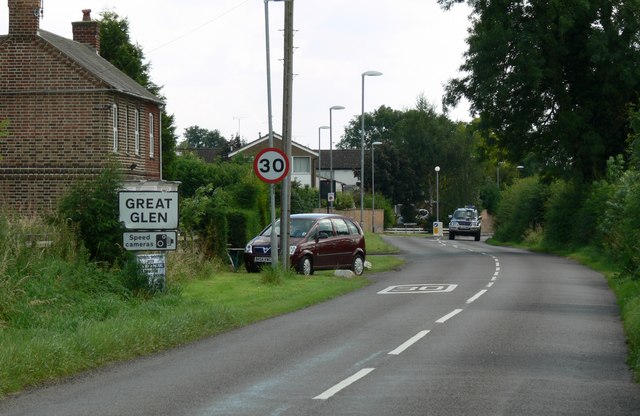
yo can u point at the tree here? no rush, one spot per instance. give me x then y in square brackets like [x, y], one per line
[116, 47]
[200, 138]
[414, 142]
[553, 78]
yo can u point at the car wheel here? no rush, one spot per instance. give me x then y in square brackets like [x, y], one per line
[358, 265]
[452, 236]
[305, 266]
[477, 237]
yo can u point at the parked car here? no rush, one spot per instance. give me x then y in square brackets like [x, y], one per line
[316, 242]
[465, 221]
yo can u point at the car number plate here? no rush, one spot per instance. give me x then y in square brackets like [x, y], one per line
[262, 259]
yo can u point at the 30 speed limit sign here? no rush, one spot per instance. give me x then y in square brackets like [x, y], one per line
[271, 165]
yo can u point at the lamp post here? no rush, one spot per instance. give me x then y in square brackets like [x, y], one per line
[437, 194]
[320, 164]
[364, 74]
[373, 189]
[332, 190]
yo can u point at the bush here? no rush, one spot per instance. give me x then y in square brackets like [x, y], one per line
[562, 214]
[490, 197]
[303, 199]
[91, 208]
[243, 225]
[344, 200]
[622, 223]
[521, 208]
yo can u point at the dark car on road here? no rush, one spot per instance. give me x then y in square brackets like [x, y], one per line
[316, 242]
[465, 221]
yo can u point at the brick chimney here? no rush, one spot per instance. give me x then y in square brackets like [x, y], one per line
[24, 17]
[87, 31]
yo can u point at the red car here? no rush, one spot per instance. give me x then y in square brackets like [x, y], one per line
[316, 242]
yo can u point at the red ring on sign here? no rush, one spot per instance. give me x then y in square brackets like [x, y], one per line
[264, 172]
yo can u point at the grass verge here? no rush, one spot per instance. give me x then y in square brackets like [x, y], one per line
[50, 328]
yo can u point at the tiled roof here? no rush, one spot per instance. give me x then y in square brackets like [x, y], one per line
[342, 159]
[98, 66]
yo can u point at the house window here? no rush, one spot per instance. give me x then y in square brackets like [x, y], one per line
[301, 165]
[126, 130]
[151, 139]
[114, 111]
[137, 131]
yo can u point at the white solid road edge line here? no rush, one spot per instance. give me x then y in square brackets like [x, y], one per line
[409, 343]
[343, 384]
[476, 296]
[448, 316]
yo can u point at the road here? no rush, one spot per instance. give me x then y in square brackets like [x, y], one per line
[464, 329]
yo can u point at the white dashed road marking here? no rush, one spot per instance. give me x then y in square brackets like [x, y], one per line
[414, 288]
[344, 384]
[409, 343]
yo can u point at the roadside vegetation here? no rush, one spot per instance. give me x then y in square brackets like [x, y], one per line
[62, 313]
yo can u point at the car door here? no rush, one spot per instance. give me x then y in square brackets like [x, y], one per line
[325, 247]
[343, 242]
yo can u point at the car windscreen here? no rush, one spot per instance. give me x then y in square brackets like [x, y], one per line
[298, 227]
[464, 215]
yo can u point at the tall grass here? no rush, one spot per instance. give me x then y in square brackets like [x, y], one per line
[61, 313]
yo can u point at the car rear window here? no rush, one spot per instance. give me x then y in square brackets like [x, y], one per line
[352, 228]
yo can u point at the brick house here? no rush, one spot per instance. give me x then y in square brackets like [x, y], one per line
[69, 112]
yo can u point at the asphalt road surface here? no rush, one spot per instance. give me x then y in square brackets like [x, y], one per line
[464, 329]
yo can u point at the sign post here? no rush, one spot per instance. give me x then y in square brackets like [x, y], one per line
[152, 220]
[271, 165]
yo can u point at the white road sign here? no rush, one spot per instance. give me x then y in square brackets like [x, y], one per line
[271, 165]
[149, 240]
[149, 210]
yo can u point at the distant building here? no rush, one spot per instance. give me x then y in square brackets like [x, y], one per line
[303, 159]
[70, 112]
[305, 167]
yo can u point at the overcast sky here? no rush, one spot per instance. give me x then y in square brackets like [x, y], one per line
[209, 56]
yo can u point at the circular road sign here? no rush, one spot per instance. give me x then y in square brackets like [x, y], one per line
[271, 165]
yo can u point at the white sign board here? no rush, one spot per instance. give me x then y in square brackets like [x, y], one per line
[149, 240]
[148, 210]
[271, 165]
[153, 265]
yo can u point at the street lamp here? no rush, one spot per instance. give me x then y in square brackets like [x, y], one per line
[437, 194]
[335, 107]
[364, 74]
[320, 164]
[373, 189]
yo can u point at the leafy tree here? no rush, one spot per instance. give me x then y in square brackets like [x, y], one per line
[414, 142]
[553, 78]
[200, 138]
[116, 47]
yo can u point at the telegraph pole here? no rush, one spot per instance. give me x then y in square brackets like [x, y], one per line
[286, 131]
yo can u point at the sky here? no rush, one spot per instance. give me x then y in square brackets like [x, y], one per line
[210, 58]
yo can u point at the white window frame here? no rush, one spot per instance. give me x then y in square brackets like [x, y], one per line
[114, 113]
[137, 131]
[126, 130]
[151, 137]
